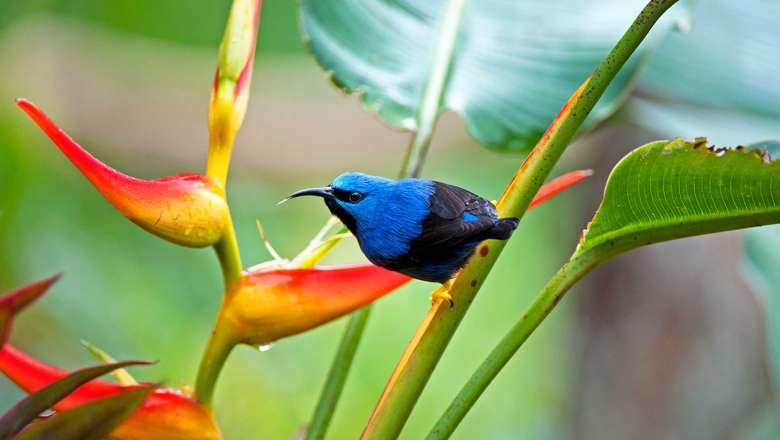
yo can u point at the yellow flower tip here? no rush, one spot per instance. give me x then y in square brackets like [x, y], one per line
[230, 94]
[270, 304]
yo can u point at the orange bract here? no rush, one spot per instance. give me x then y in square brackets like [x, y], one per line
[267, 305]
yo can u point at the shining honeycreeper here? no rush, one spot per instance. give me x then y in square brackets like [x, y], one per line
[421, 228]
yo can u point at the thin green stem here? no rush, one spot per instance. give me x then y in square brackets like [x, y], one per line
[229, 256]
[412, 164]
[337, 375]
[547, 299]
[423, 353]
[436, 82]
[221, 342]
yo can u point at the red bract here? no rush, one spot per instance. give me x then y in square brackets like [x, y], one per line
[166, 413]
[13, 302]
[559, 184]
[187, 209]
[267, 305]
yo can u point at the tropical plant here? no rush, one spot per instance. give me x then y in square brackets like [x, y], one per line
[409, 61]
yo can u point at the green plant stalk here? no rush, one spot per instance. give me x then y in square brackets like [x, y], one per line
[337, 375]
[226, 114]
[547, 299]
[423, 353]
[221, 342]
[228, 255]
[411, 166]
[436, 82]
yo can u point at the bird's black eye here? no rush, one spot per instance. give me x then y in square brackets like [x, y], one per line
[355, 197]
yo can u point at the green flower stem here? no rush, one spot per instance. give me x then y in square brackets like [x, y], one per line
[226, 113]
[221, 342]
[229, 256]
[423, 353]
[416, 152]
[549, 297]
[337, 375]
[430, 101]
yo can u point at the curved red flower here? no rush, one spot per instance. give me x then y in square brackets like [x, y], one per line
[187, 209]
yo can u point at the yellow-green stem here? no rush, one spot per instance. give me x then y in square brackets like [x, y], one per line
[221, 342]
[547, 299]
[229, 256]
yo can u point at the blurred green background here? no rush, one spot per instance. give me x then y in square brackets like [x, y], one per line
[662, 343]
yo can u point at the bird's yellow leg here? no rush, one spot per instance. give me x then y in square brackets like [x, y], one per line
[443, 293]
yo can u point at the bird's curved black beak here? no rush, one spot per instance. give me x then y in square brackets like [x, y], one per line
[325, 193]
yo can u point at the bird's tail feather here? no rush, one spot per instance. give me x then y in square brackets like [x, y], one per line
[503, 229]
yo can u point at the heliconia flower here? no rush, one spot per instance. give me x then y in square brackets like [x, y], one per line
[269, 304]
[230, 94]
[187, 209]
[166, 413]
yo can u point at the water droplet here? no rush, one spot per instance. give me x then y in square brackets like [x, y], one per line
[264, 348]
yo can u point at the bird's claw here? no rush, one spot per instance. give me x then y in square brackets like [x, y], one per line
[442, 294]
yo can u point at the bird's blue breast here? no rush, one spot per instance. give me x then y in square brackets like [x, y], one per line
[399, 213]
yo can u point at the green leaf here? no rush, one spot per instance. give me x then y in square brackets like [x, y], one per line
[506, 67]
[91, 421]
[33, 405]
[668, 190]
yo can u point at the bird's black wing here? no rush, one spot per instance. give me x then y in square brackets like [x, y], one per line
[456, 216]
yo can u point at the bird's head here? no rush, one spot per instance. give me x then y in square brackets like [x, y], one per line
[354, 198]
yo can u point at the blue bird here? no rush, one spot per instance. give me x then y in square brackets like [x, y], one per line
[421, 228]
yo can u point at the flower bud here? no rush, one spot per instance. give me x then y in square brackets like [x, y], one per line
[230, 94]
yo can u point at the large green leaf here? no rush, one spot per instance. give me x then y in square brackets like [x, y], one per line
[727, 61]
[506, 66]
[33, 405]
[667, 190]
[721, 78]
[91, 421]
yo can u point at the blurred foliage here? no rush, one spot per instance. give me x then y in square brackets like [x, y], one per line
[168, 20]
[492, 71]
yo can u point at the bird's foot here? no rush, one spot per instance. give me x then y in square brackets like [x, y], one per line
[442, 294]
